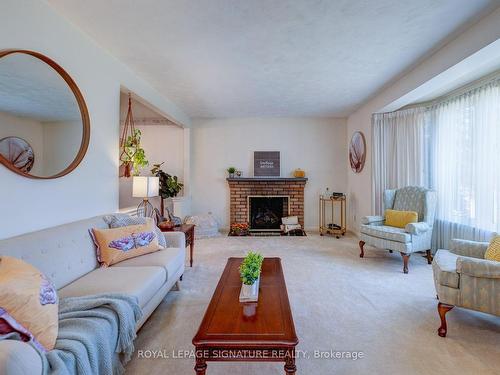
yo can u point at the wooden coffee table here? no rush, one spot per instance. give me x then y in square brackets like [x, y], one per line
[261, 331]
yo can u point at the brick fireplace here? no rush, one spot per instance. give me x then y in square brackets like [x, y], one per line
[242, 189]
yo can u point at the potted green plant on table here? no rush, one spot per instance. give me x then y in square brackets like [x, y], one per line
[250, 270]
[169, 185]
[231, 171]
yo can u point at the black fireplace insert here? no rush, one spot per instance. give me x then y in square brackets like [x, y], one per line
[265, 212]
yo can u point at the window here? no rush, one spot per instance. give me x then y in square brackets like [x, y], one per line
[452, 146]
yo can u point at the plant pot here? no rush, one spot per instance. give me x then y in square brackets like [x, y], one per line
[250, 293]
[231, 175]
[125, 170]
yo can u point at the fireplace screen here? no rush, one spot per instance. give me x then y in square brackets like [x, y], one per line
[265, 212]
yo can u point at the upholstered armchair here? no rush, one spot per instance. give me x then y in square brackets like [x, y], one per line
[415, 236]
[464, 278]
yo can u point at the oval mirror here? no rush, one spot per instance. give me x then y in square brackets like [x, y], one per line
[44, 122]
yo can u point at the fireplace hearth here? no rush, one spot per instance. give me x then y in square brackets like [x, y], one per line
[265, 212]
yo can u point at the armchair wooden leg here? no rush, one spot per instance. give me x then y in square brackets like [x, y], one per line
[406, 258]
[362, 253]
[428, 256]
[443, 308]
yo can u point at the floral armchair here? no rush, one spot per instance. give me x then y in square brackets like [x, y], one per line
[464, 278]
[415, 236]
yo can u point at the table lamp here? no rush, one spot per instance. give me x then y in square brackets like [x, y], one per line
[145, 187]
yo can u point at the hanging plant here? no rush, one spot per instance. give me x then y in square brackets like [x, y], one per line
[132, 156]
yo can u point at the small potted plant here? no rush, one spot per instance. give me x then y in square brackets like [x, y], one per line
[250, 276]
[231, 171]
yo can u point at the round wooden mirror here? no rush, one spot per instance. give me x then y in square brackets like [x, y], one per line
[44, 121]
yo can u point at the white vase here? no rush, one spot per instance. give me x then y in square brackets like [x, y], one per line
[250, 292]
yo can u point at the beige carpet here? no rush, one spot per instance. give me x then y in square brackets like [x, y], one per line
[339, 302]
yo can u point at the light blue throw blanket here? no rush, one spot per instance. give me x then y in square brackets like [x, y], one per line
[95, 336]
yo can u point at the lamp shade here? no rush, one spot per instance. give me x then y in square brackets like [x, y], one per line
[145, 187]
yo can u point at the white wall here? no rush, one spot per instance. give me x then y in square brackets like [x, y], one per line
[478, 36]
[315, 145]
[55, 144]
[92, 188]
[162, 143]
[62, 141]
[28, 129]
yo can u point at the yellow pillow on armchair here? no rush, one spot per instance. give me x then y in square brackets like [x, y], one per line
[399, 219]
[493, 251]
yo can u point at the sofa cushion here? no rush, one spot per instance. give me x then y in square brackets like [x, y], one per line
[119, 244]
[171, 259]
[123, 220]
[387, 233]
[141, 282]
[399, 219]
[493, 250]
[28, 303]
[444, 266]
[19, 358]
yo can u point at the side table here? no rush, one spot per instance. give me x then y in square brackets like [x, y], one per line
[188, 230]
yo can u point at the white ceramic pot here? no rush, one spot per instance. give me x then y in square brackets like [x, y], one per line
[248, 291]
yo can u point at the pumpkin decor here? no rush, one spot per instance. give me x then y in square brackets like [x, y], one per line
[299, 173]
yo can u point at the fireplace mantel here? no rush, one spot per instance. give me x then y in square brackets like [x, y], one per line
[268, 179]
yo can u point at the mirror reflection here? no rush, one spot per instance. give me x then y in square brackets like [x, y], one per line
[40, 121]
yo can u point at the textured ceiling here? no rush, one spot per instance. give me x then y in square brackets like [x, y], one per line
[236, 58]
[31, 88]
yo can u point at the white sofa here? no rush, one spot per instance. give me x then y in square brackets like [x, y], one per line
[66, 254]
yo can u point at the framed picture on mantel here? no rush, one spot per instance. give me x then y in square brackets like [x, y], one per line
[266, 164]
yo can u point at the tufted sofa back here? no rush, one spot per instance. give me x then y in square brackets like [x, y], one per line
[63, 253]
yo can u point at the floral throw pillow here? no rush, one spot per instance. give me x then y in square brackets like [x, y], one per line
[118, 244]
[124, 220]
[28, 303]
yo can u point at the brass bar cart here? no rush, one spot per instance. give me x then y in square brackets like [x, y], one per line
[331, 208]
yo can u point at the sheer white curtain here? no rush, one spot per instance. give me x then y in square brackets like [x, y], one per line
[452, 146]
[400, 152]
[466, 160]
